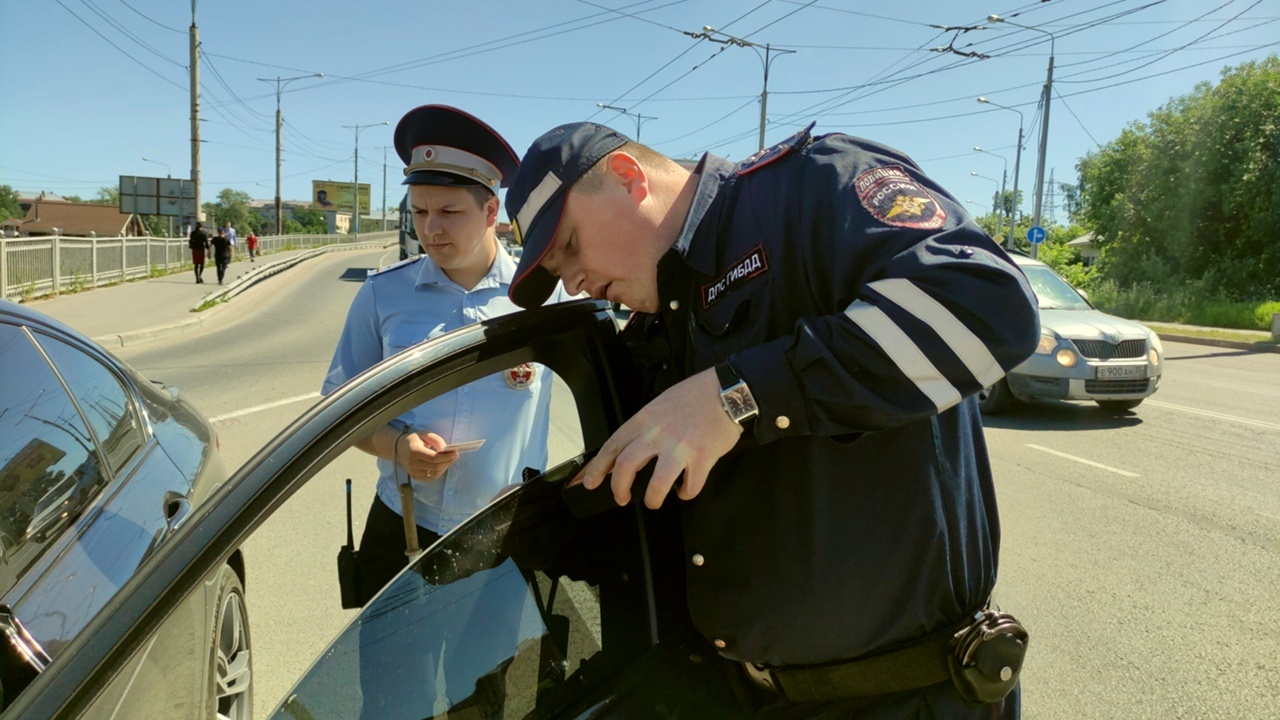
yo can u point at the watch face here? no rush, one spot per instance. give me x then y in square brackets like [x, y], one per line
[739, 403]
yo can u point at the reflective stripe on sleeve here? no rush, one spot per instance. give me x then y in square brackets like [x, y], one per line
[904, 353]
[971, 351]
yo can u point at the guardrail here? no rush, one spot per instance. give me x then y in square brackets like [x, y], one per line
[38, 266]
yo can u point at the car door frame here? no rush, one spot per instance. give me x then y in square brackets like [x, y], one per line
[578, 341]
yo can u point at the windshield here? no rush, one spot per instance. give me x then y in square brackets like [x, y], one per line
[505, 617]
[1052, 292]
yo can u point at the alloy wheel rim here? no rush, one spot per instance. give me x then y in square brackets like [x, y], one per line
[233, 669]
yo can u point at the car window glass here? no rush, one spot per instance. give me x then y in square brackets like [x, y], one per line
[535, 649]
[1052, 291]
[49, 466]
[512, 616]
[101, 397]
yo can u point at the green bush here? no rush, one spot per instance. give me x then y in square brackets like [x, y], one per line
[1189, 305]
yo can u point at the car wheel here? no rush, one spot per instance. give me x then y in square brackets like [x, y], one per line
[231, 666]
[997, 398]
[1119, 405]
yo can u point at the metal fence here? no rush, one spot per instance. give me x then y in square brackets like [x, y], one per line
[34, 267]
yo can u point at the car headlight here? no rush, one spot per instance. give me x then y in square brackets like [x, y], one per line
[1048, 343]
[1157, 350]
[1066, 357]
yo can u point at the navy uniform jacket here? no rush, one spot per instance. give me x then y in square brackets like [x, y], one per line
[865, 309]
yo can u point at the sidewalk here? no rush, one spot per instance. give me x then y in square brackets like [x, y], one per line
[145, 310]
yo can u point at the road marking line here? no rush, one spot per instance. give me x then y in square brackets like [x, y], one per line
[1220, 416]
[267, 406]
[1108, 468]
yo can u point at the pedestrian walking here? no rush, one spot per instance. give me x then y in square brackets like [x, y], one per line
[221, 253]
[251, 243]
[823, 317]
[198, 242]
[231, 240]
[455, 165]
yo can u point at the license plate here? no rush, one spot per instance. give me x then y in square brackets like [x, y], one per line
[1113, 372]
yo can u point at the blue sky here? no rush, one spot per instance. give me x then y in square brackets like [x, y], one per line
[90, 87]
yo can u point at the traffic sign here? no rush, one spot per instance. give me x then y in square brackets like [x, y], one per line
[1036, 234]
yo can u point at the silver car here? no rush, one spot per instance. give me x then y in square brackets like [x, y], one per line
[1084, 353]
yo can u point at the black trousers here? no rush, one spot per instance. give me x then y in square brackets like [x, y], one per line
[382, 548]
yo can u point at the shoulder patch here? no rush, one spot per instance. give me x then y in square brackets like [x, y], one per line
[769, 154]
[396, 265]
[893, 197]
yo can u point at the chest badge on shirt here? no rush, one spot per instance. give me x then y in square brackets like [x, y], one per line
[521, 376]
[894, 198]
[750, 266]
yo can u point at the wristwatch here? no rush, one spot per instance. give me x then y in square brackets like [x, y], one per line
[736, 397]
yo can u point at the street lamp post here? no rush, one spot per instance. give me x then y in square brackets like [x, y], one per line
[280, 84]
[167, 174]
[765, 60]
[625, 111]
[994, 182]
[1017, 163]
[355, 189]
[1044, 121]
[1004, 175]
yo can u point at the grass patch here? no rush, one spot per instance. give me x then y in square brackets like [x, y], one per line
[210, 303]
[1188, 305]
[1213, 334]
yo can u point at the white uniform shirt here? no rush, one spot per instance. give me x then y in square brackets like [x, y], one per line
[412, 301]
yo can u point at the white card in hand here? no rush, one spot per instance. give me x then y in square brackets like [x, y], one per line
[464, 447]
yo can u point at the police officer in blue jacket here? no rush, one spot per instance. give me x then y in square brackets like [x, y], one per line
[826, 315]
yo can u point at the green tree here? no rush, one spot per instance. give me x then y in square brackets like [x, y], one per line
[233, 206]
[1190, 199]
[108, 196]
[307, 221]
[9, 207]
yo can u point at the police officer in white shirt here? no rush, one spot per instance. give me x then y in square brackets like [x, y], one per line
[454, 166]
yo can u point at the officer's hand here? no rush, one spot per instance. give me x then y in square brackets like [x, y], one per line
[686, 428]
[421, 456]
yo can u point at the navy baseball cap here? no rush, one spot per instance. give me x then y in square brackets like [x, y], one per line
[442, 145]
[535, 199]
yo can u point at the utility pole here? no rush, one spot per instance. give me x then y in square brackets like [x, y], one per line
[706, 34]
[280, 83]
[355, 190]
[1017, 163]
[1044, 123]
[625, 111]
[194, 58]
[1004, 175]
[384, 188]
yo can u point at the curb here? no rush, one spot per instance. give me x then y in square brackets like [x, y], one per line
[1235, 344]
[205, 318]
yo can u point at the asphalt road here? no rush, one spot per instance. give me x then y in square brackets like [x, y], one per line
[1142, 550]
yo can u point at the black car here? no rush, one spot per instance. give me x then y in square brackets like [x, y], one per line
[99, 471]
[551, 602]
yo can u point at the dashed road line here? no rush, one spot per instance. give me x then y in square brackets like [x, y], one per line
[1220, 416]
[265, 406]
[1100, 466]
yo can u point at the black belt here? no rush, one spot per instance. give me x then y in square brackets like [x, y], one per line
[918, 664]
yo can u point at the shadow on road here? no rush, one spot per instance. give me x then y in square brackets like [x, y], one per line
[1062, 416]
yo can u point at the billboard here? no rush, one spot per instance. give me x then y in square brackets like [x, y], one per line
[171, 197]
[330, 195]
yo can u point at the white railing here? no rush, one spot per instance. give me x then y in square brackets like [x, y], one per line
[38, 266]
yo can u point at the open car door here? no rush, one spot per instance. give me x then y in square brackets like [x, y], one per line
[544, 604]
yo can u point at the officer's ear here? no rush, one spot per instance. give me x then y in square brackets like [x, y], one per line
[630, 174]
[491, 210]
